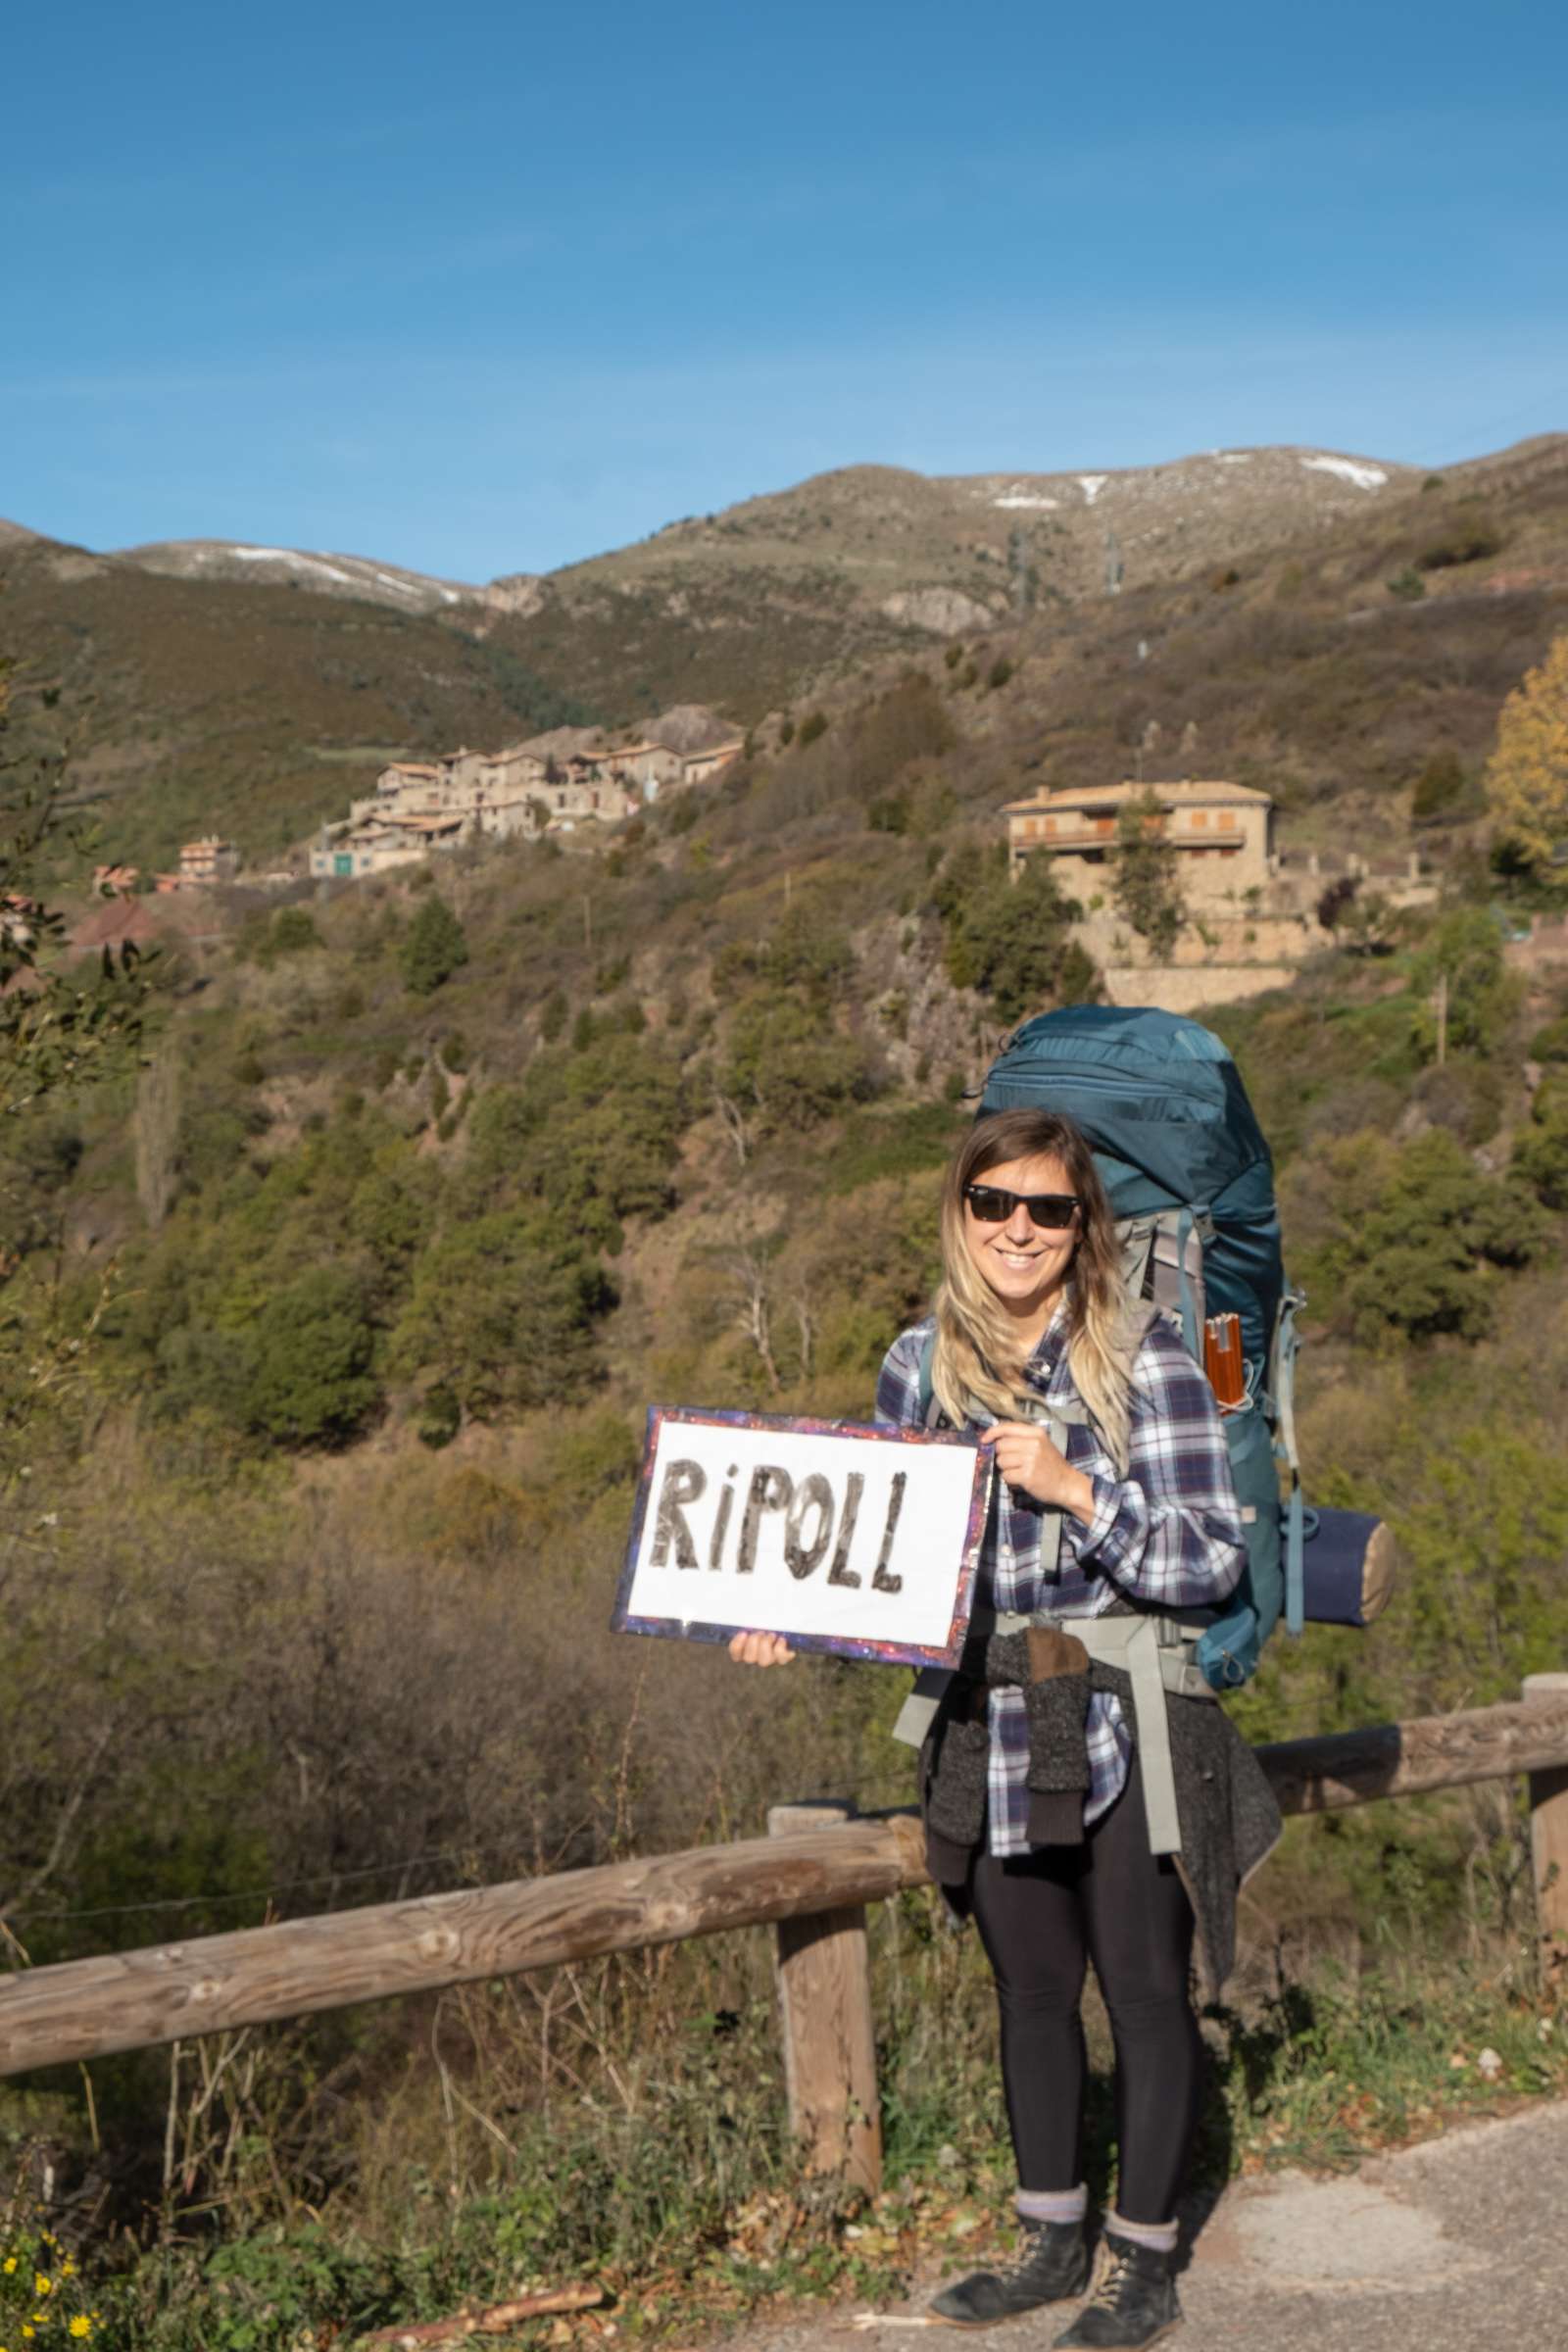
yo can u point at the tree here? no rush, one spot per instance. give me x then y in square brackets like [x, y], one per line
[1012, 939]
[502, 1314]
[434, 946]
[1527, 776]
[311, 1382]
[1145, 886]
[1463, 957]
[1541, 1154]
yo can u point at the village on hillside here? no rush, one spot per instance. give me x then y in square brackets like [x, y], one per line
[549, 784]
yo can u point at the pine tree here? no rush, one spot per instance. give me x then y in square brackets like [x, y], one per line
[433, 948]
[1527, 776]
[1147, 887]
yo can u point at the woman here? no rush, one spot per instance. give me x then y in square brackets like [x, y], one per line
[1080, 1789]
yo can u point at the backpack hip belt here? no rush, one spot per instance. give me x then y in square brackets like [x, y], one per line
[1151, 1648]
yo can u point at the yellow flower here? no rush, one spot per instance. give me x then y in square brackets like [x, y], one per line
[42, 2283]
[10, 2265]
[67, 2269]
[81, 2324]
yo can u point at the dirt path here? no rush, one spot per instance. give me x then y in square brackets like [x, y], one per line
[1441, 2248]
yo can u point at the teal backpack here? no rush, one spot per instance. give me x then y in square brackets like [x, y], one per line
[1192, 1186]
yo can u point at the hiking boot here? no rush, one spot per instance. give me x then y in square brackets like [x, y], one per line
[1051, 2265]
[1132, 2303]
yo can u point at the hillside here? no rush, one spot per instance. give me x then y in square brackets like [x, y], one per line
[1254, 627]
[333, 1324]
[188, 706]
[358, 576]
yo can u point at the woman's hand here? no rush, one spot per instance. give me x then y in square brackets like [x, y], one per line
[760, 1649]
[1028, 1460]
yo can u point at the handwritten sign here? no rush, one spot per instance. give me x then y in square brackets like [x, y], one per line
[841, 1537]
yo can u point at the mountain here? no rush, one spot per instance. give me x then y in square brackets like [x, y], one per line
[359, 576]
[1319, 620]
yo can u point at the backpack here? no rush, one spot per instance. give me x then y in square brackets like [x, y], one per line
[1191, 1187]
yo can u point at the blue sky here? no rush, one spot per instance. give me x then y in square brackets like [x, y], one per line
[494, 286]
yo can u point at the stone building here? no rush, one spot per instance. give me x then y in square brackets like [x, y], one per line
[1223, 833]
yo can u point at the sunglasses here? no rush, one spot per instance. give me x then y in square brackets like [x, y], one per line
[1051, 1211]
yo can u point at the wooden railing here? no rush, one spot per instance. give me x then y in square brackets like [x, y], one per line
[812, 1876]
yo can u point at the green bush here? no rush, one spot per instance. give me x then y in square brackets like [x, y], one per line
[502, 1312]
[1464, 951]
[1541, 1154]
[293, 928]
[1439, 789]
[1012, 940]
[1468, 542]
[812, 728]
[1409, 1241]
[434, 946]
[1407, 585]
[788, 1059]
[311, 1380]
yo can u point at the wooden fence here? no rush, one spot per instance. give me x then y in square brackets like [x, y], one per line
[812, 1876]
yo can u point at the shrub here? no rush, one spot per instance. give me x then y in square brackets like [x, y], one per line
[1000, 672]
[1407, 1240]
[812, 727]
[1541, 1154]
[1439, 789]
[1550, 1043]
[434, 946]
[786, 1056]
[311, 1380]
[1469, 543]
[293, 928]
[1407, 585]
[1464, 951]
[1011, 940]
[502, 1312]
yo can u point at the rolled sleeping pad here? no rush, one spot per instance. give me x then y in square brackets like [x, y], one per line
[1350, 1564]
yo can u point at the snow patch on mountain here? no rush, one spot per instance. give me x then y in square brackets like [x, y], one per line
[1349, 469]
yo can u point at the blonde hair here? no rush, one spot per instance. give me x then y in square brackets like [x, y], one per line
[977, 1358]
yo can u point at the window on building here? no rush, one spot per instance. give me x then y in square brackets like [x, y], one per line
[1226, 820]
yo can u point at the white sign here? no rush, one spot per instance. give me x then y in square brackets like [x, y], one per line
[843, 1538]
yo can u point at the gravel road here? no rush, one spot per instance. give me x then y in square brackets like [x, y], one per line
[1440, 2249]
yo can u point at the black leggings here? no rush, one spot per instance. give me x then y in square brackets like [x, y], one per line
[1040, 1916]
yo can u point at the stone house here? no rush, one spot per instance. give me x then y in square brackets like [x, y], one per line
[206, 861]
[1223, 832]
[700, 768]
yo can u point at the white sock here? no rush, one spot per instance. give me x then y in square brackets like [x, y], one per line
[1159, 2237]
[1052, 2204]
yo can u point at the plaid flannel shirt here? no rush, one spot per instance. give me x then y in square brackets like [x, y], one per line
[1167, 1536]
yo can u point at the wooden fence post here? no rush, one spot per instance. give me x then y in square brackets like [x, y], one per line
[824, 1998]
[1548, 1840]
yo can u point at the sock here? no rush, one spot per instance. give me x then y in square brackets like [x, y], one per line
[1052, 2204]
[1159, 2236]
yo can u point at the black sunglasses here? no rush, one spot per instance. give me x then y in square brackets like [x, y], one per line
[1051, 1211]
